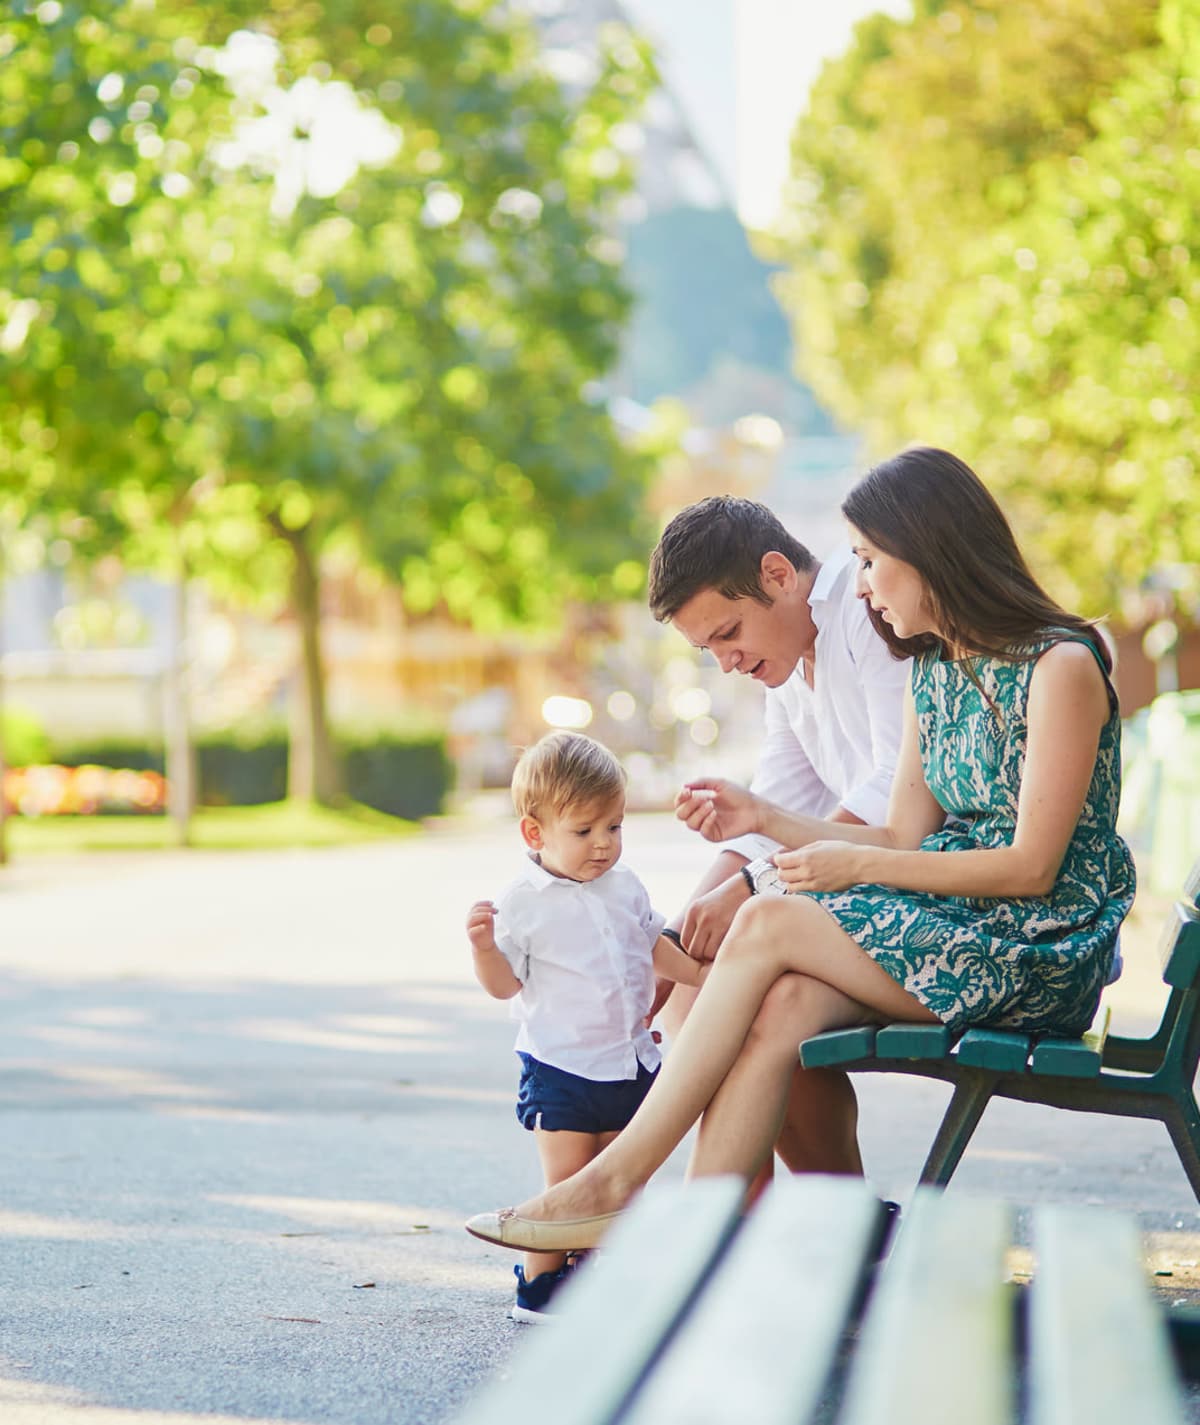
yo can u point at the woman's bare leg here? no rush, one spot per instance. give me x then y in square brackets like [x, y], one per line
[769, 938]
[745, 1118]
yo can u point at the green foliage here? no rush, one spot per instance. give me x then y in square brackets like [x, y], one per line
[406, 775]
[990, 240]
[400, 369]
[22, 737]
[220, 370]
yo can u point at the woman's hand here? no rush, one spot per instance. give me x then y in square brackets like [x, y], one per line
[717, 809]
[821, 866]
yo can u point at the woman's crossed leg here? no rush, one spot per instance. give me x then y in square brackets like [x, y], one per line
[787, 970]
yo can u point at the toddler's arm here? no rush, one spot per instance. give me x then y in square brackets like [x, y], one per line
[492, 970]
[672, 963]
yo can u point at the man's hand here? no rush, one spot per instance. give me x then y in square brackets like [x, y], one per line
[481, 926]
[822, 866]
[717, 809]
[709, 917]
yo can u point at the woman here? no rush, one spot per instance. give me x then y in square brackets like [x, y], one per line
[993, 895]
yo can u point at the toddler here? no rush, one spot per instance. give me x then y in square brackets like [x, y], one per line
[574, 942]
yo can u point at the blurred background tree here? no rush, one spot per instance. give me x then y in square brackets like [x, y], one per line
[223, 356]
[988, 231]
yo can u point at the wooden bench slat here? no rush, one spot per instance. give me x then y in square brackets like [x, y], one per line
[936, 1345]
[838, 1046]
[1099, 1353]
[1180, 947]
[999, 1049]
[1074, 1058]
[913, 1041]
[761, 1343]
[620, 1310]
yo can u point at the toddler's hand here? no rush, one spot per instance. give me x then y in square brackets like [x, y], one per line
[481, 923]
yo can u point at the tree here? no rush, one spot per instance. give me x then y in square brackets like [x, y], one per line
[403, 365]
[973, 194]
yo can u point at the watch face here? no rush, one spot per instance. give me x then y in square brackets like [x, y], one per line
[767, 881]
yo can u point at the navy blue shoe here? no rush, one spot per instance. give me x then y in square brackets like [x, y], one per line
[533, 1298]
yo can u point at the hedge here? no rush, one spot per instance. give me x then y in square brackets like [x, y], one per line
[403, 775]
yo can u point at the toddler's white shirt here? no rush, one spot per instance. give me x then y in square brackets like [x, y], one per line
[583, 951]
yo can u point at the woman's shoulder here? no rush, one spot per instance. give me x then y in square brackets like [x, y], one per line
[1069, 669]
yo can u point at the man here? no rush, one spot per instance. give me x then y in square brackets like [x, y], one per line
[733, 581]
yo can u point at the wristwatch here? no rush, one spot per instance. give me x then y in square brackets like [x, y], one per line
[762, 876]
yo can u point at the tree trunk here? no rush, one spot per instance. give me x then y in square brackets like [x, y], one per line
[313, 773]
[180, 757]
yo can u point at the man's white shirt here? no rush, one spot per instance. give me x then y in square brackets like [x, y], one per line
[583, 951]
[836, 743]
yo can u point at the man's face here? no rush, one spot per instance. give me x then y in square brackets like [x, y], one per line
[762, 641]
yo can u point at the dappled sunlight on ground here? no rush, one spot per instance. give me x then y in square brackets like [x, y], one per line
[35, 1225]
[124, 1081]
[282, 1031]
[28, 1402]
[386, 1217]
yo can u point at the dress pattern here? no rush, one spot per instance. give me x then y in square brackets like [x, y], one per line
[1035, 963]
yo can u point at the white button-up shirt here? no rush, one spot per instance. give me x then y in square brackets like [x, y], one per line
[583, 951]
[836, 743]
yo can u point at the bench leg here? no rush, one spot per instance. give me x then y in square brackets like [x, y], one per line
[1183, 1124]
[971, 1095]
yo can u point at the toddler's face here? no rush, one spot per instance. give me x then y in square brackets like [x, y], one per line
[581, 844]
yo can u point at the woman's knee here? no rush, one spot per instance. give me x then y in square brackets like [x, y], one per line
[762, 922]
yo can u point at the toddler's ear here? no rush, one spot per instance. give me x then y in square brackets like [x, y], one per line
[531, 832]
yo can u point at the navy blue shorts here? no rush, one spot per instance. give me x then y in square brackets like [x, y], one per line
[559, 1102]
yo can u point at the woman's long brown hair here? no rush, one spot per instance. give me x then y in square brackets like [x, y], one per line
[930, 509]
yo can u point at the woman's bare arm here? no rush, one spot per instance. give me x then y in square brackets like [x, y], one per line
[1068, 706]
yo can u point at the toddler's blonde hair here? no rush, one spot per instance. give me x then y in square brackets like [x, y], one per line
[564, 770]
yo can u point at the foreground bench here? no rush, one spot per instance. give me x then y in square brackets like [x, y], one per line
[695, 1315]
[1098, 1073]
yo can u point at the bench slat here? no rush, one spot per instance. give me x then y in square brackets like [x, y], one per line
[913, 1041]
[936, 1345]
[1074, 1058]
[1180, 949]
[838, 1046]
[761, 1343]
[1098, 1348]
[998, 1049]
[618, 1315]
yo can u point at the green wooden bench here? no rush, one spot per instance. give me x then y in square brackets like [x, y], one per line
[695, 1315]
[1097, 1073]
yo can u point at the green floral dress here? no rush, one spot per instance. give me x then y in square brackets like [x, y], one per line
[1034, 963]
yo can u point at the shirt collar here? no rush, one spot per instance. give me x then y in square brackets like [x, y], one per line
[828, 577]
[539, 878]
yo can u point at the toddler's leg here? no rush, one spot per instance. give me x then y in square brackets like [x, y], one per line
[562, 1154]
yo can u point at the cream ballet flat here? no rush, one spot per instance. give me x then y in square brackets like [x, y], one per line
[506, 1229]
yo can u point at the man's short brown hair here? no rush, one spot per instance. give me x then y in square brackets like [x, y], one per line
[564, 770]
[718, 544]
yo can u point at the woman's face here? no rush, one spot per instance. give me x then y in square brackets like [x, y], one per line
[892, 587]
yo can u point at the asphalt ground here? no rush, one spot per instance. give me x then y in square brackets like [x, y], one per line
[247, 1100]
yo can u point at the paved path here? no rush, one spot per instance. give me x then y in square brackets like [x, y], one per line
[247, 1100]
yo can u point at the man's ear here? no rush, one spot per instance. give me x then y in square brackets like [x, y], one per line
[778, 573]
[531, 832]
